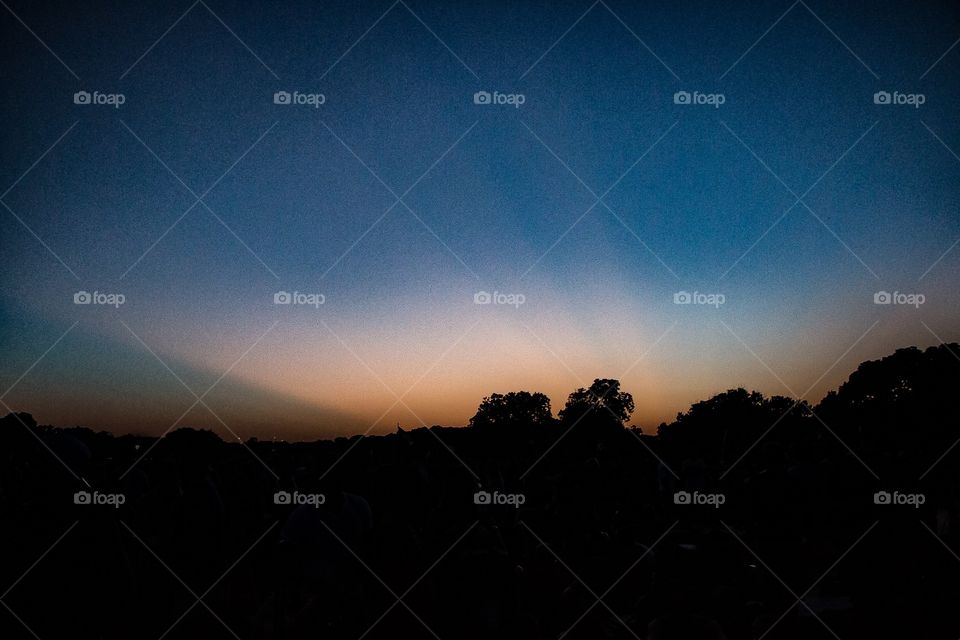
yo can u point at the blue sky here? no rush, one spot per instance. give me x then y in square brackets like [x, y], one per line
[797, 199]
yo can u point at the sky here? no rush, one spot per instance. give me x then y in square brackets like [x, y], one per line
[630, 158]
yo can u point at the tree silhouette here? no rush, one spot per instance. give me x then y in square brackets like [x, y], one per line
[792, 477]
[602, 403]
[906, 383]
[727, 424]
[517, 408]
[904, 400]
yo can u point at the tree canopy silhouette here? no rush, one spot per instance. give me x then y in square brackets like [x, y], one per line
[517, 408]
[909, 393]
[795, 481]
[730, 422]
[602, 403]
[909, 382]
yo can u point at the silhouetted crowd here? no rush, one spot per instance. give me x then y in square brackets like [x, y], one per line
[746, 517]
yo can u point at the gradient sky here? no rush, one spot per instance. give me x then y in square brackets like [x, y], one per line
[694, 198]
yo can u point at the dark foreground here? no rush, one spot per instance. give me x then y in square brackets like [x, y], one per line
[748, 517]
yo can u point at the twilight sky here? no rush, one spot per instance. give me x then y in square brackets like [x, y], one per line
[595, 202]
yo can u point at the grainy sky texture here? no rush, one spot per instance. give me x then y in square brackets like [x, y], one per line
[687, 197]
